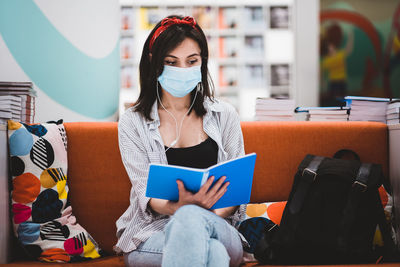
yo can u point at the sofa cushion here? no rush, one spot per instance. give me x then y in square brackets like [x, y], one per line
[281, 146]
[43, 223]
[94, 162]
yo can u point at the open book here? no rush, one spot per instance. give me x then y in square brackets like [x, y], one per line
[239, 172]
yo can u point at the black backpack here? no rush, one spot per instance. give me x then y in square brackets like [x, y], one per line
[331, 216]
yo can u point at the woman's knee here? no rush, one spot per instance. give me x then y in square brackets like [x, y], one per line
[190, 209]
[189, 213]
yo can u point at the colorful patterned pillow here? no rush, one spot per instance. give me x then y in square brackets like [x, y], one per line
[271, 210]
[43, 223]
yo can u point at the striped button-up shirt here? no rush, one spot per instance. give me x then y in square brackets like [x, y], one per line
[140, 144]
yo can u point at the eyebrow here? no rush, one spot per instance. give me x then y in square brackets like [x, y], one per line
[192, 55]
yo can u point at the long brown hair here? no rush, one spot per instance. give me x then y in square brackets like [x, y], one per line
[150, 69]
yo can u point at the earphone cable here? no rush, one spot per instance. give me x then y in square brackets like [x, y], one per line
[177, 131]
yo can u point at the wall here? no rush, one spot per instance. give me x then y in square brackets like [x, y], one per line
[69, 49]
[368, 32]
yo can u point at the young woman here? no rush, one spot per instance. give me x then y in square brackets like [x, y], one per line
[176, 120]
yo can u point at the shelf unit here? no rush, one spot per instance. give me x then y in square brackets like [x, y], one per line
[251, 46]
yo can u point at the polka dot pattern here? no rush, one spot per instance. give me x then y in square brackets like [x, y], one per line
[13, 125]
[26, 188]
[38, 165]
[90, 251]
[73, 246]
[42, 154]
[21, 142]
[21, 212]
[270, 210]
[38, 129]
[256, 210]
[17, 166]
[62, 189]
[55, 255]
[46, 207]
[28, 232]
[47, 180]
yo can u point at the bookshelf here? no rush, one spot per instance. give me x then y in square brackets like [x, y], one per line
[251, 46]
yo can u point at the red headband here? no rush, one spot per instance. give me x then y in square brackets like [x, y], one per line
[165, 23]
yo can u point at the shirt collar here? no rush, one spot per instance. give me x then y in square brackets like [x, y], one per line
[209, 105]
[154, 115]
[213, 105]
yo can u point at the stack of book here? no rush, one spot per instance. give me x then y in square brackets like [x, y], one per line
[325, 113]
[367, 108]
[17, 102]
[274, 109]
[393, 112]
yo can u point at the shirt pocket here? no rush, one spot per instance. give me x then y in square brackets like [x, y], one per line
[154, 157]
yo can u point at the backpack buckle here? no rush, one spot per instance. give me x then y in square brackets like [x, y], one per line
[310, 172]
[364, 187]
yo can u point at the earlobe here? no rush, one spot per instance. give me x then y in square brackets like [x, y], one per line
[150, 56]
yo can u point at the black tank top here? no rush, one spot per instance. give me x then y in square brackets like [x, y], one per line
[202, 155]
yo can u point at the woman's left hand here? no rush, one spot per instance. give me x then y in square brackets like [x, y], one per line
[206, 197]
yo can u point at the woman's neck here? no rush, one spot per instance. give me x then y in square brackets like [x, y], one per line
[177, 104]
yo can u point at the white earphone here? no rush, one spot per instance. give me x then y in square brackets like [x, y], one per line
[178, 131]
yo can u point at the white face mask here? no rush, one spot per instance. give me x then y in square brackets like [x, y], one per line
[180, 81]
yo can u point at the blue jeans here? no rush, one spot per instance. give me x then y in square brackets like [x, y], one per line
[193, 237]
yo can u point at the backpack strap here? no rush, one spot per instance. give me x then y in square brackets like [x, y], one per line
[307, 178]
[390, 253]
[360, 186]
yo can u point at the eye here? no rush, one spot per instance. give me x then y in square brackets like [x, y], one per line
[169, 62]
[193, 61]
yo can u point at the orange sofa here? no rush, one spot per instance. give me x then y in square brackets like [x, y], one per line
[99, 185]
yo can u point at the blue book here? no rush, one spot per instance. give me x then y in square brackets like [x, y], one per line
[307, 109]
[349, 99]
[239, 172]
[367, 98]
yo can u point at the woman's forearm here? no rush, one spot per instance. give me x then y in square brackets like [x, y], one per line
[225, 212]
[162, 206]
[167, 207]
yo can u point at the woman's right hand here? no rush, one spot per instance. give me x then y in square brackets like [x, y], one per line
[206, 197]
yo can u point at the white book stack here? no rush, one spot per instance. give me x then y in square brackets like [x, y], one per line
[367, 108]
[326, 113]
[393, 112]
[17, 102]
[274, 109]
